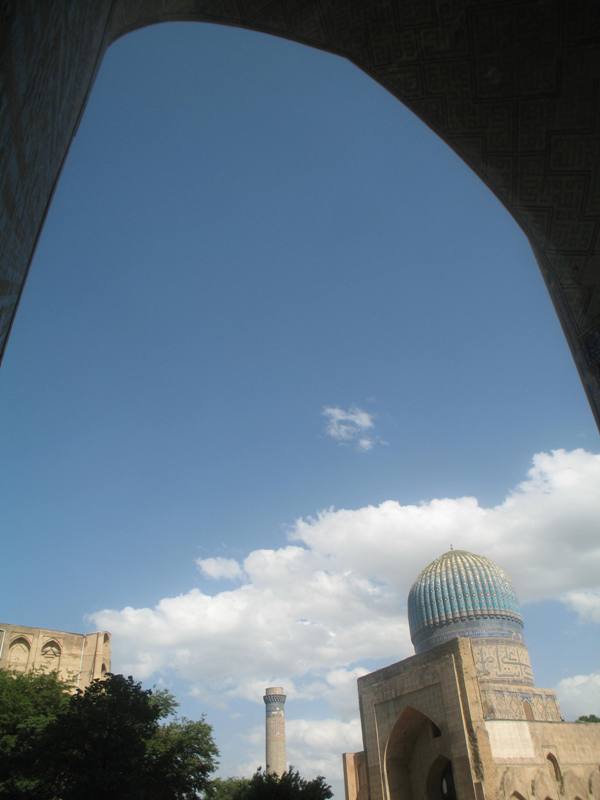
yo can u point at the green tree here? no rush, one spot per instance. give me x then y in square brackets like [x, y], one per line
[588, 718]
[97, 746]
[228, 788]
[28, 704]
[289, 786]
[107, 741]
[179, 761]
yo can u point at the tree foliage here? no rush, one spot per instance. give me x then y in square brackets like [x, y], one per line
[265, 786]
[588, 718]
[28, 704]
[180, 758]
[228, 788]
[107, 741]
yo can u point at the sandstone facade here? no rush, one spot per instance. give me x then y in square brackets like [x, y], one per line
[77, 658]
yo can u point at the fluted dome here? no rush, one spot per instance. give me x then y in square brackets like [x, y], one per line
[462, 594]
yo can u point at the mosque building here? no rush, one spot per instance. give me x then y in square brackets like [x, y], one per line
[462, 719]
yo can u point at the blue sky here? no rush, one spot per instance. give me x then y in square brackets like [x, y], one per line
[247, 233]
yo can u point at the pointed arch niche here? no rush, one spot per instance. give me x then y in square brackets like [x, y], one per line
[415, 767]
[18, 654]
[50, 655]
[555, 768]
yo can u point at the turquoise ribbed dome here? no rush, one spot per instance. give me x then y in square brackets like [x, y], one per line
[462, 594]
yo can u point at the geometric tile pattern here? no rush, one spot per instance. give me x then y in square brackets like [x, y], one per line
[460, 586]
[461, 594]
[513, 86]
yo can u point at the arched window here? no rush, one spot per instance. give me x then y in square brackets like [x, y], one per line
[18, 654]
[528, 710]
[516, 796]
[447, 790]
[103, 670]
[440, 781]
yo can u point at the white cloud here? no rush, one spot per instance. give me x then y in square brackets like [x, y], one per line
[337, 595]
[227, 568]
[294, 618]
[315, 747]
[579, 695]
[545, 533]
[348, 426]
[585, 603]
[310, 614]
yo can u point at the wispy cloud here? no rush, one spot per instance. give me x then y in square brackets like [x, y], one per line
[579, 694]
[586, 603]
[350, 426]
[224, 568]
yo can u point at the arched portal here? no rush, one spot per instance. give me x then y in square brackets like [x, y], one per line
[413, 763]
[520, 115]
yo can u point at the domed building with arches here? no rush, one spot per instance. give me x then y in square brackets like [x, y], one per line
[462, 719]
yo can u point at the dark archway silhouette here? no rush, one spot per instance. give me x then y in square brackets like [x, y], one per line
[511, 87]
[440, 781]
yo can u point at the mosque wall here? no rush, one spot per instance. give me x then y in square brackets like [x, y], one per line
[502, 661]
[435, 709]
[415, 721]
[545, 760]
[355, 775]
[506, 682]
[77, 658]
[520, 703]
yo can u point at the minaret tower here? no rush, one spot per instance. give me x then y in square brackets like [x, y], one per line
[275, 730]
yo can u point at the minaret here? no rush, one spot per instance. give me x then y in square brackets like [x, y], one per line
[275, 730]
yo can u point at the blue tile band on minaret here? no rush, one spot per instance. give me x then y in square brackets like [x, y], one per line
[462, 594]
